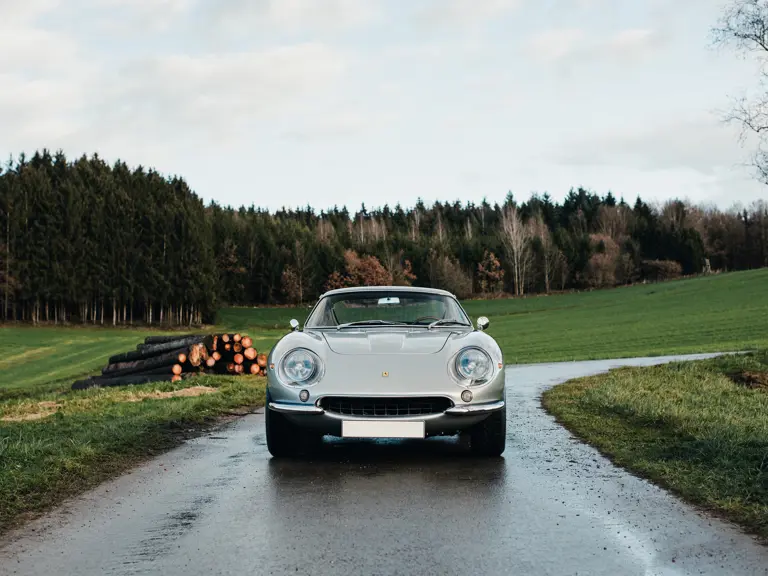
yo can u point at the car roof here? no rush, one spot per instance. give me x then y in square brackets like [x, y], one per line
[412, 289]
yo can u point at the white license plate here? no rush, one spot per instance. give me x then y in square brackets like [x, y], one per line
[379, 429]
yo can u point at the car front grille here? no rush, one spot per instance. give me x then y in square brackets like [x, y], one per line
[385, 407]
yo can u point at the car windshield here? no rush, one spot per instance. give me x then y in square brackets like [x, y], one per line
[386, 308]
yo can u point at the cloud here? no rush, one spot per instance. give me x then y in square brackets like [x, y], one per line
[17, 12]
[440, 13]
[139, 15]
[571, 46]
[29, 51]
[551, 45]
[36, 111]
[700, 144]
[219, 94]
[294, 15]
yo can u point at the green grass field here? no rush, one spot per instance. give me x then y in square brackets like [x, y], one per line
[692, 427]
[726, 312]
[82, 443]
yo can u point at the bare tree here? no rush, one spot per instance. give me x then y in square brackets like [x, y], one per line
[297, 279]
[744, 24]
[516, 236]
[440, 234]
[551, 257]
[614, 221]
[325, 231]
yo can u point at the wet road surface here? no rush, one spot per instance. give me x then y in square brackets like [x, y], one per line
[220, 505]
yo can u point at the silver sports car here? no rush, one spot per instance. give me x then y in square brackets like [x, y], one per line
[385, 362]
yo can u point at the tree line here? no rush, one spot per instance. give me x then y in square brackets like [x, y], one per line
[86, 241]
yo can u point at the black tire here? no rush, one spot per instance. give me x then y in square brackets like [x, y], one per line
[282, 437]
[285, 439]
[489, 437]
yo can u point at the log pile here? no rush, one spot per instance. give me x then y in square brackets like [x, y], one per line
[173, 358]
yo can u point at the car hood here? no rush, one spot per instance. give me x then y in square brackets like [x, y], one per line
[387, 342]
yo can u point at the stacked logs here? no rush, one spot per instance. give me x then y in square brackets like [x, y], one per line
[172, 358]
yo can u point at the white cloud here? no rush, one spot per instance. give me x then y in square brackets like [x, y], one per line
[570, 46]
[552, 45]
[37, 112]
[294, 15]
[31, 50]
[219, 93]
[701, 144]
[16, 12]
[139, 15]
[465, 12]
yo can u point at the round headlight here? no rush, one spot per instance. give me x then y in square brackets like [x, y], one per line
[473, 364]
[300, 366]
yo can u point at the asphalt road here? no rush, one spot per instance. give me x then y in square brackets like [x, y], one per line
[220, 505]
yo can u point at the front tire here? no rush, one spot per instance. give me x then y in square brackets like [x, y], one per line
[489, 437]
[282, 436]
[285, 439]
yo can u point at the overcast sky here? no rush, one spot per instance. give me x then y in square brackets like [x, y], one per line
[289, 102]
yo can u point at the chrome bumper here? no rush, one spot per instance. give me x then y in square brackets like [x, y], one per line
[468, 409]
[295, 408]
[476, 408]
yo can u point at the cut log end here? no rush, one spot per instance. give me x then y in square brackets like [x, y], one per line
[262, 360]
[250, 353]
[195, 355]
[176, 378]
[176, 369]
[239, 359]
[211, 362]
[246, 342]
[237, 338]
[254, 369]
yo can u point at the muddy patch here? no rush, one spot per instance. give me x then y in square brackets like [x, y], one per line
[155, 395]
[751, 380]
[36, 411]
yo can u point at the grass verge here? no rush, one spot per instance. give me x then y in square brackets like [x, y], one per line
[84, 438]
[697, 428]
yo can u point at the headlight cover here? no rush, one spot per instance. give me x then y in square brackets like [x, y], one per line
[300, 367]
[473, 366]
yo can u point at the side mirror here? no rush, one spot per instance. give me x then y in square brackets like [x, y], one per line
[294, 325]
[483, 323]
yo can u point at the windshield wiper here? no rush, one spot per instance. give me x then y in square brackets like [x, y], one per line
[370, 323]
[446, 323]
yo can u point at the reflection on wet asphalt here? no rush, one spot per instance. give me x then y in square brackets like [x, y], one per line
[220, 505]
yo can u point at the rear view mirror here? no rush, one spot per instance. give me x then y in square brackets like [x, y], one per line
[389, 301]
[294, 324]
[483, 323]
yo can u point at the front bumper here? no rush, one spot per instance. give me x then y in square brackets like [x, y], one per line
[469, 409]
[451, 421]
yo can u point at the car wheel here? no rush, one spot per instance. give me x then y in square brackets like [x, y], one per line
[282, 437]
[489, 437]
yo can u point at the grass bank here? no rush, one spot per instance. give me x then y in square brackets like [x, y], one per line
[697, 428]
[55, 445]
